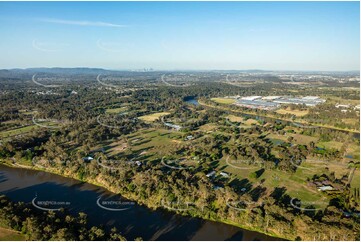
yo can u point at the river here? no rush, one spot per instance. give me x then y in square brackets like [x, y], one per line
[31, 185]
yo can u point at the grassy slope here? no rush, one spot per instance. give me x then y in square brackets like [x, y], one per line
[10, 235]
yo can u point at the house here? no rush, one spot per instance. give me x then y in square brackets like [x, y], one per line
[224, 174]
[310, 98]
[271, 97]
[88, 158]
[138, 163]
[342, 106]
[174, 126]
[251, 98]
[346, 214]
[211, 174]
[325, 188]
[189, 137]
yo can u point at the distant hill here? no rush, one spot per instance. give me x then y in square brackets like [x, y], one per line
[58, 70]
[95, 71]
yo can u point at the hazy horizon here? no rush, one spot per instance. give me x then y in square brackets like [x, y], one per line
[173, 69]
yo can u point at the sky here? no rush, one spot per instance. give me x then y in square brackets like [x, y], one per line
[321, 36]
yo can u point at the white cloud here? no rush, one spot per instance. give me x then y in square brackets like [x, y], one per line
[82, 23]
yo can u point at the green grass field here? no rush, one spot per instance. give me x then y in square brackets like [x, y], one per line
[155, 141]
[18, 131]
[355, 183]
[234, 118]
[303, 139]
[330, 145]
[116, 110]
[295, 184]
[223, 100]
[298, 113]
[297, 138]
[153, 117]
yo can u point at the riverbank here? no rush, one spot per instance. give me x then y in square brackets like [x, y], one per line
[279, 118]
[10, 235]
[131, 196]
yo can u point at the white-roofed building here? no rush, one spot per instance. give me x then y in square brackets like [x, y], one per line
[311, 98]
[271, 97]
[342, 106]
[251, 98]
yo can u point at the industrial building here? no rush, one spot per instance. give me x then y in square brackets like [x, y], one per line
[271, 97]
[251, 98]
[257, 104]
[273, 102]
[308, 101]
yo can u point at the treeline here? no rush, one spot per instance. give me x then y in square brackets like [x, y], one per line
[91, 100]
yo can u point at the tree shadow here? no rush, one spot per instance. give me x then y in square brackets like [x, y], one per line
[257, 192]
[239, 185]
[259, 172]
[279, 194]
[145, 141]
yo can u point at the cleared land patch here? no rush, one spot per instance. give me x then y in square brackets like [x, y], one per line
[303, 139]
[18, 131]
[208, 127]
[153, 117]
[155, 141]
[234, 118]
[116, 110]
[251, 121]
[330, 145]
[223, 100]
[298, 113]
